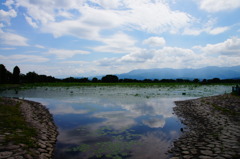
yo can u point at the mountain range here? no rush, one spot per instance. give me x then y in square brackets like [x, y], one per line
[169, 73]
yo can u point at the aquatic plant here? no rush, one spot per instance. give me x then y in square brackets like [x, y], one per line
[119, 145]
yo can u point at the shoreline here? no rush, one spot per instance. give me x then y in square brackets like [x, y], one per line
[212, 128]
[38, 117]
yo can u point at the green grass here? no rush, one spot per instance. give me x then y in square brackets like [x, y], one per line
[225, 110]
[13, 125]
[132, 84]
[64, 84]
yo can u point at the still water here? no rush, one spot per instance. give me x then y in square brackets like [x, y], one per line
[114, 122]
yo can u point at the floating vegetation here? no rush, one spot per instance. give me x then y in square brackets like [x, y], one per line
[118, 147]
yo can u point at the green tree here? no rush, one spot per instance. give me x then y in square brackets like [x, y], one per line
[110, 78]
[16, 74]
[3, 72]
[94, 79]
[32, 77]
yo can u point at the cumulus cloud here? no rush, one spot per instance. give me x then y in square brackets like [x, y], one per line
[63, 54]
[30, 22]
[220, 5]
[147, 15]
[230, 47]
[156, 17]
[7, 15]
[155, 41]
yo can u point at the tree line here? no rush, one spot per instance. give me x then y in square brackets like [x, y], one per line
[16, 77]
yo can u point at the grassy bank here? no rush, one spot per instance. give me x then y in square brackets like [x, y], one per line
[13, 126]
[132, 84]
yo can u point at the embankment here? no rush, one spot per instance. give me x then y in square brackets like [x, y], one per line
[37, 117]
[212, 128]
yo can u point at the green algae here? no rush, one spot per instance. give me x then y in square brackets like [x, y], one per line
[117, 147]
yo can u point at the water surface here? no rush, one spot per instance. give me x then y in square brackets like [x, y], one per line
[114, 122]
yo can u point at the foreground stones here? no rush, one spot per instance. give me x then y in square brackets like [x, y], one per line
[38, 117]
[212, 128]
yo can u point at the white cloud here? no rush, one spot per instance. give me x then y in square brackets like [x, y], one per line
[7, 15]
[73, 28]
[8, 48]
[220, 5]
[23, 59]
[191, 31]
[209, 30]
[155, 17]
[113, 4]
[218, 30]
[147, 15]
[13, 39]
[117, 43]
[30, 21]
[40, 46]
[155, 41]
[230, 47]
[63, 54]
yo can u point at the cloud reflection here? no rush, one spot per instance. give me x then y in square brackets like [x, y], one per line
[153, 145]
[116, 119]
[66, 109]
[154, 122]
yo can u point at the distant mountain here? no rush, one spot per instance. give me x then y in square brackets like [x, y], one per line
[169, 73]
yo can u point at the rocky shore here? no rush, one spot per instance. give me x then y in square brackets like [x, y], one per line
[38, 117]
[212, 128]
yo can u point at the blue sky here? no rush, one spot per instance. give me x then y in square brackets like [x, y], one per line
[66, 38]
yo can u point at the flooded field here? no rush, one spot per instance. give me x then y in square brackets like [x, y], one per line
[115, 122]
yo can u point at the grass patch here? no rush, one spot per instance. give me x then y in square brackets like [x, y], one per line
[13, 125]
[132, 84]
[225, 110]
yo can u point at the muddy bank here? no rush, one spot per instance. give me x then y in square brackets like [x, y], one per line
[38, 117]
[212, 128]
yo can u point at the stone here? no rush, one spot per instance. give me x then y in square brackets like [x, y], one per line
[42, 145]
[42, 150]
[206, 152]
[185, 152]
[5, 154]
[12, 147]
[27, 156]
[187, 157]
[205, 157]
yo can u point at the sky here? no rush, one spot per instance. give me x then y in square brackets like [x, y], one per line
[83, 38]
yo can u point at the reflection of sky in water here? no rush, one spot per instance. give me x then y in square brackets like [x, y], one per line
[121, 114]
